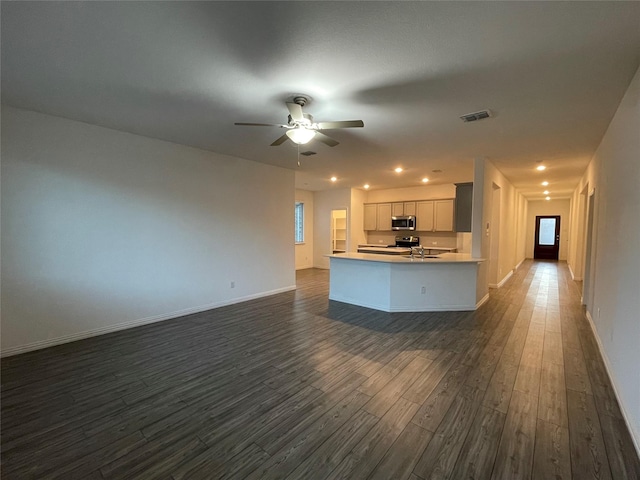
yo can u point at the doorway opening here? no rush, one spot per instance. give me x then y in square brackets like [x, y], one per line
[547, 240]
[338, 231]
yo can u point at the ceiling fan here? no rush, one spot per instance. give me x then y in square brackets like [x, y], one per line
[301, 128]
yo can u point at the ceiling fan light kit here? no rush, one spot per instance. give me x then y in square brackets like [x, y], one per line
[300, 135]
[300, 126]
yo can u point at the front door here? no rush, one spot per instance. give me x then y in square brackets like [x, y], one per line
[547, 244]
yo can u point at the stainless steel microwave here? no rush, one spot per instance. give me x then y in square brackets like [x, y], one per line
[407, 222]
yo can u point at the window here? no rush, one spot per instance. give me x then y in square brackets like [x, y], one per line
[547, 233]
[299, 222]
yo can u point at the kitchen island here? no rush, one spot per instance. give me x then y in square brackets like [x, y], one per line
[395, 283]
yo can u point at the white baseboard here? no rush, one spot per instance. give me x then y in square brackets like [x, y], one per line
[635, 436]
[573, 276]
[506, 277]
[7, 352]
[503, 281]
[440, 308]
[482, 301]
[518, 265]
[401, 308]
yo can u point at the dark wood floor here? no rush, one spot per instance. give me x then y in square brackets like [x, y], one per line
[295, 386]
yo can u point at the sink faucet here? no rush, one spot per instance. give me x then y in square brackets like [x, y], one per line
[420, 249]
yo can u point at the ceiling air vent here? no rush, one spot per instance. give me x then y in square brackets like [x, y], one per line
[473, 117]
[308, 153]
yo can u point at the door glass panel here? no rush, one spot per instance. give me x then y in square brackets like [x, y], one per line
[547, 233]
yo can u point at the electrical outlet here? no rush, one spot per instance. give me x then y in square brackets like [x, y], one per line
[423, 290]
[233, 284]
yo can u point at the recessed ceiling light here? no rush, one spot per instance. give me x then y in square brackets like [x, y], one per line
[333, 179]
[547, 198]
[366, 186]
[546, 192]
[399, 169]
[425, 180]
[540, 168]
[545, 183]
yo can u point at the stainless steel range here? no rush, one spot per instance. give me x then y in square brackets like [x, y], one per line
[407, 242]
[402, 246]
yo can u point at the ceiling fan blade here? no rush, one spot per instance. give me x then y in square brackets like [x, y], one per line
[261, 124]
[343, 124]
[280, 140]
[326, 140]
[295, 111]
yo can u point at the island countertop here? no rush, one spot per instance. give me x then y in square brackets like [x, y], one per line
[402, 259]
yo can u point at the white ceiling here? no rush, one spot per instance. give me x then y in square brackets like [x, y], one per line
[552, 74]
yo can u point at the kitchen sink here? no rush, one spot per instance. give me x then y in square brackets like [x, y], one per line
[418, 257]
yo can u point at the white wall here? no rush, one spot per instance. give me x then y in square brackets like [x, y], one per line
[463, 242]
[614, 173]
[422, 192]
[560, 207]
[103, 229]
[357, 235]
[304, 251]
[494, 271]
[577, 233]
[522, 212]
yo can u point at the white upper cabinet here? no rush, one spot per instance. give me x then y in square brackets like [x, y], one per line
[431, 215]
[424, 216]
[371, 216]
[409, 208]
[434, 216]
[443, 216]
[384, 217]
